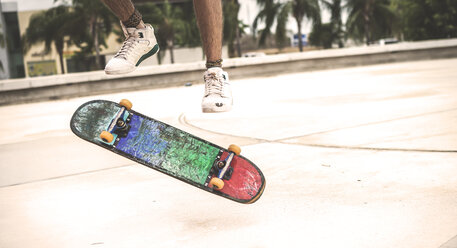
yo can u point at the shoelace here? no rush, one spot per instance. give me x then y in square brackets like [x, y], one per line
[126, 47]
[214, 84]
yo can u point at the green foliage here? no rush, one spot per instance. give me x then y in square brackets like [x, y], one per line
[173, 25]
[308, 9]
[336, 24]
[426, 19]
[85, 24]
[51, 27]
[322, 35]
[369, 20]
[233, 27]
[269, 10]
[2, 44]
[2, 37]
[272, 10]
[281, 30]
[94, 23]
[231, 22]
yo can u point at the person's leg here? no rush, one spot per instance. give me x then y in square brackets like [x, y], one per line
[218, 96]
[126, 12]
[209, 20]
[140, 41]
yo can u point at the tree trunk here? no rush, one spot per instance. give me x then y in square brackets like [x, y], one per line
[340, 34]
[59, 46]
[159, 57]
[237, 31]
[170, 47]
[366, 17]
[95, 35]
[62, 67]
[300, 41]
[367, 32]
[238, 42]
[98, 62]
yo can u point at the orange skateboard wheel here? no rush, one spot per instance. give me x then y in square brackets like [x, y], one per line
[217, 183]
[126, 104]
[235, 149]
[107, 136]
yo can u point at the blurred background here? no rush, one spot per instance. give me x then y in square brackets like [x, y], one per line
[48, 37]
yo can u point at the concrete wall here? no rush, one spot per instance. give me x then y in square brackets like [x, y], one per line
[90, 83]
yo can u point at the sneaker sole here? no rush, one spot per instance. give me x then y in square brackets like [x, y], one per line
[117, 72]
[216, 110]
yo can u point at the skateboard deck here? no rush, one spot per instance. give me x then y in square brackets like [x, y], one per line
[169, 150]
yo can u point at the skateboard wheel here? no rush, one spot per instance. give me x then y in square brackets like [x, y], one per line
[126, 104]
[216, 183]
[235, 149]
[107, 136]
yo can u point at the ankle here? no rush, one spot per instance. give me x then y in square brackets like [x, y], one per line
[214, 63]
[141, 25]
[134, 21]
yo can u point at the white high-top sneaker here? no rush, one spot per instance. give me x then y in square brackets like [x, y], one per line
[139, 45]
[218, 94]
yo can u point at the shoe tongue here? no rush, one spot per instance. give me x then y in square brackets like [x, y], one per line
[132, 32]
[215, 70]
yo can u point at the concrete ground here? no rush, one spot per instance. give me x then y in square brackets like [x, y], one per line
[358, 157]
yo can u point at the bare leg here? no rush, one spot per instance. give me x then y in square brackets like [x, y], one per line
[140, 42]
[125, 11]
[218, 95]
[209, 20]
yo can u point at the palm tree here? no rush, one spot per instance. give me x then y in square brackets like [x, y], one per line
[335, 8]
[424, 19]
[169, 24]
[95, 23]
[305, 8]
[269, 10]
[369, 19]
[51, 27]
[233, 27]
[322, 35]
[281, 24]
[299, 9]
[2, 44]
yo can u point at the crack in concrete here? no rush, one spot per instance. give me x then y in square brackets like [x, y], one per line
[64, 176]
[183, 120]
[369, 124]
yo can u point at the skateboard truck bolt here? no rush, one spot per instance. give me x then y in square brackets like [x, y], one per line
[121, 123]
[221, 164]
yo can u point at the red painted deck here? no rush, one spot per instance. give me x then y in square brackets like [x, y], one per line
[246, 181]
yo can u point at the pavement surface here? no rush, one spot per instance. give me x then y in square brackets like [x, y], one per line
[357, 157]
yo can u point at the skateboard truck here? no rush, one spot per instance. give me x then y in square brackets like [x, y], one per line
[222, 168]
[122, 128]
[119, 126]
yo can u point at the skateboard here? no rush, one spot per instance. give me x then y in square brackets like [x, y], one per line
[157, 145]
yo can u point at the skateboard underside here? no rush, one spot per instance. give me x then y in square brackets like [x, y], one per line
[169, 150]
